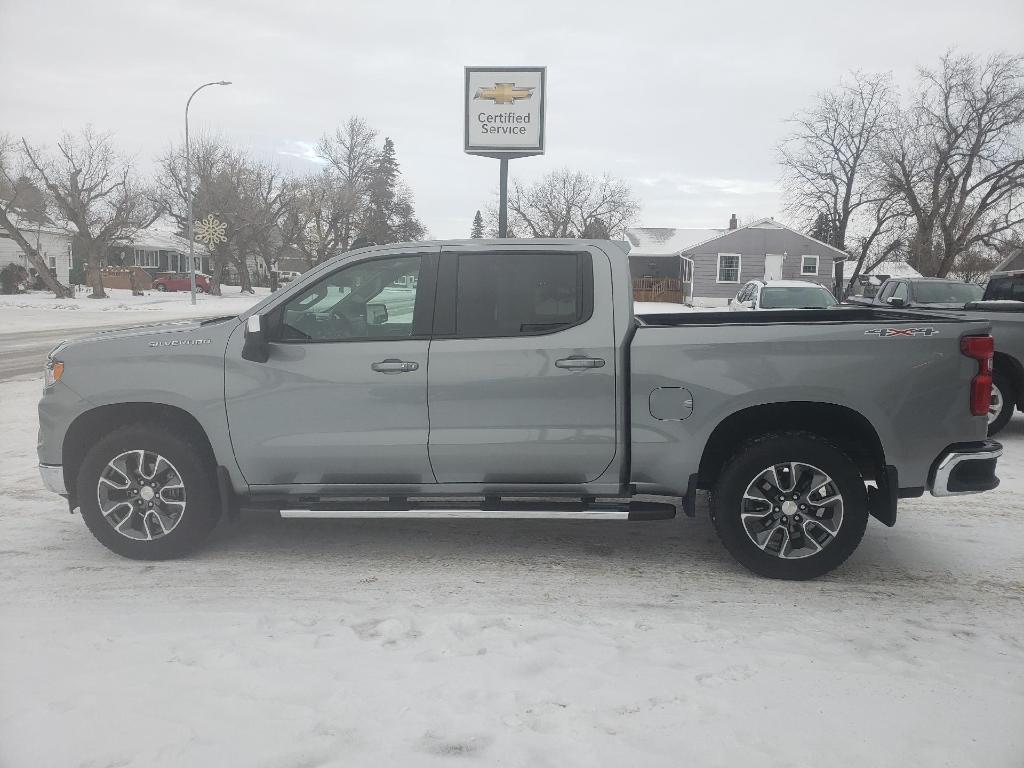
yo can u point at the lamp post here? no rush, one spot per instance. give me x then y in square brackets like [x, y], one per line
[188, 188]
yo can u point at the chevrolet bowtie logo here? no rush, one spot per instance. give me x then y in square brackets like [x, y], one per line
[503, 93]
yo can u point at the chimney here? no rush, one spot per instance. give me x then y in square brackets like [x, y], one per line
[733, 221]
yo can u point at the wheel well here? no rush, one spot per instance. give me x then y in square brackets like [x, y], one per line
[847, 429]
[1014, 371]
[99, 422]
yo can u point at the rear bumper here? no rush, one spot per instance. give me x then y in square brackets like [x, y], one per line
[53, 478]
[965, 468]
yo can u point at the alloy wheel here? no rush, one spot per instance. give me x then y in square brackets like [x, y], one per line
[792, 510]
[141, 495]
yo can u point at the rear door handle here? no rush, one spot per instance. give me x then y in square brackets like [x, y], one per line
[580, 362]
[394, 365]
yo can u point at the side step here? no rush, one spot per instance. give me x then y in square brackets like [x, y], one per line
[490, 509]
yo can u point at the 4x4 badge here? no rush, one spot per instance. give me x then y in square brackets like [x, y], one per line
[885, 333]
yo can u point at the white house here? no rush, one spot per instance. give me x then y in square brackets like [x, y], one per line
[51, 241]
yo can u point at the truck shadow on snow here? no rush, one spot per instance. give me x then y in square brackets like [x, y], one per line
[680, 546]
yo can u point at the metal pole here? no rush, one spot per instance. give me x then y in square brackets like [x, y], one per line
[503, 199]
[188, 189]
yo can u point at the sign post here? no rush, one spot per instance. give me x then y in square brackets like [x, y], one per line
[505, 119]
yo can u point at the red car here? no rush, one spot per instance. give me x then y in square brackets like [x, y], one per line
[179, 281]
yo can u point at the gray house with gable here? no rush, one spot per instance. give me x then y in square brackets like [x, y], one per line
[713, 264]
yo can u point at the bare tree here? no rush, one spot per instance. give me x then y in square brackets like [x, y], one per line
[567, 203]
[12, 215]
[96, 190]
[830, 159]
[318, 221]
[248, 196]
[832, 171]
[957, 157]
[352, 157]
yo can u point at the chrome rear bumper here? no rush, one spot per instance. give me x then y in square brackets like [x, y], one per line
[53, 478]
[966, 468]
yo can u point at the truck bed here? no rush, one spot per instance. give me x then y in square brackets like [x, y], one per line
[797, 316]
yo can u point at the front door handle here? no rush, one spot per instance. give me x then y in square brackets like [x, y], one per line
[580, 362]
[394, 365]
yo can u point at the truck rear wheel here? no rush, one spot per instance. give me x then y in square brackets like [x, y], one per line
[148, 493]
[1001, 406]
[790, 506]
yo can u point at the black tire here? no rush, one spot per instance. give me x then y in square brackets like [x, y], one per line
[747, 464]
[161, 287]
[190, 459]
[1008, 398]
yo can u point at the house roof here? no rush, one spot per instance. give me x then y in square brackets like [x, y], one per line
[1014, 261]
[665, 241]
[894, 269]
[162, 235]
[26, 224]
[658, 241]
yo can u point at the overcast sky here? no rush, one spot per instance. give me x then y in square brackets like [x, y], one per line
[686, 101]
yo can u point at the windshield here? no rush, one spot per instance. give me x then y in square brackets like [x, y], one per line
[946, 292]
[796, 297]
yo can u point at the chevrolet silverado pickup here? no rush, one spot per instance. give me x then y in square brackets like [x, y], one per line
[998, 302]
[512, 378]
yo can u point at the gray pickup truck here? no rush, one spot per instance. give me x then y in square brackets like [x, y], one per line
[512, 378]
[1000, 302]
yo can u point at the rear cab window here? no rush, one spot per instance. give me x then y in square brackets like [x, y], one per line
[503, 294]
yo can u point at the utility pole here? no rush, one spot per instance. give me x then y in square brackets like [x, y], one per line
[189, 191]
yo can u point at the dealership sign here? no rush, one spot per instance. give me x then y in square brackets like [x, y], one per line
[505, 111]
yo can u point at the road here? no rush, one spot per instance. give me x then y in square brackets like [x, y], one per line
[24, 352]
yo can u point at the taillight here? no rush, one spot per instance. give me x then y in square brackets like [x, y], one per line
[980, 348]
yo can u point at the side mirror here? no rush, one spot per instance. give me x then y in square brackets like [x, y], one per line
[896, 301]
[256, 347]
[376, 314]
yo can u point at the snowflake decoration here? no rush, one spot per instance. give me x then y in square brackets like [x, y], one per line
[210, 231]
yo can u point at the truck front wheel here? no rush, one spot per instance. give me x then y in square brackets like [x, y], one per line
[148, 493]
[789, 506]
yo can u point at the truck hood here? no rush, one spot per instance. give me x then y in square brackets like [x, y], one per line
[160, 332]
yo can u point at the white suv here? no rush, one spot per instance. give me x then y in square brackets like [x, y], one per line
[782, 294]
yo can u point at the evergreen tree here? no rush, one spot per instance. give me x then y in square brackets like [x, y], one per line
[390, 216]
[823, 230]
[478, 227]
[377, 224]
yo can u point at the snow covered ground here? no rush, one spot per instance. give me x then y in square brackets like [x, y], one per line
[520, 643]
[38, 311]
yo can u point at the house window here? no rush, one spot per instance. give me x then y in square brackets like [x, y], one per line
[728, 267]
[144, 258]
[808, 265]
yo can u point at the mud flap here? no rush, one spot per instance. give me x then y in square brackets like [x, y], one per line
[882, 501]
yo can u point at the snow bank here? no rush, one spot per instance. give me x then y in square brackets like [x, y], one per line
[41, 311]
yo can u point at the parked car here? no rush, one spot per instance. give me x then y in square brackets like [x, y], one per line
[782, 294]
[1007, 318]
[286, 276]
[927, 293]
[180, 281]
[547, 396]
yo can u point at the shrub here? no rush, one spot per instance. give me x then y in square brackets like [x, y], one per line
[11, 278]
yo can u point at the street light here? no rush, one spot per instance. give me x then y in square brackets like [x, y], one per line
[188, 188]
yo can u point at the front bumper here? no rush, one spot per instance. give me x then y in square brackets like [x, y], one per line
[965, 468]
[53, 478]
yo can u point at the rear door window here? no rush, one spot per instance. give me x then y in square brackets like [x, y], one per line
[521, 294]
[1005, 289]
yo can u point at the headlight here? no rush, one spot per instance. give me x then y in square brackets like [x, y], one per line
[54, 370]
